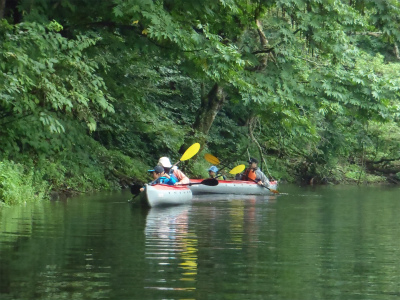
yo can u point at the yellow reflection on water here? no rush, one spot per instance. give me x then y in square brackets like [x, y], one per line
[236, 213]
[189, 257]
[172, 245]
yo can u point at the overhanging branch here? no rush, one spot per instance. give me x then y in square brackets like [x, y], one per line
[272, 48]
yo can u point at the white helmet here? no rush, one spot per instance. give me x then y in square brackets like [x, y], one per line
[164, 161]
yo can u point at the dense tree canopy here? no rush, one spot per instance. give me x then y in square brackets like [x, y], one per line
[93, 92]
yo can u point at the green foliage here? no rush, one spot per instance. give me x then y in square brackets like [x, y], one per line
[93, 93]
[19, 185]
[49, 77]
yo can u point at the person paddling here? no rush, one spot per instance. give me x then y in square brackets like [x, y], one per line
[253, 173]
[160, 177]
[213, 172]
[166, 164]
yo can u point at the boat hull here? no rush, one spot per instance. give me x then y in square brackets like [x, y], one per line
[166, 195]
[237, 187]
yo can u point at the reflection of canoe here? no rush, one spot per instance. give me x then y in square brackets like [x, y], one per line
[161, 194]
[166, 221]
[237, 187]
[170, 250]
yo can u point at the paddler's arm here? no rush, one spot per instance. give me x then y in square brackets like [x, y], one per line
[183, 179]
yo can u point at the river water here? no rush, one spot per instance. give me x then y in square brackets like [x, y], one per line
[330, 242]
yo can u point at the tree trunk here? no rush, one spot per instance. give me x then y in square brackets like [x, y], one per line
[2, 8]
[213, 101]
[210, 105]
[209, 108]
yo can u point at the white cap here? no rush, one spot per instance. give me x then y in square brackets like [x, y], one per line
[164, 161]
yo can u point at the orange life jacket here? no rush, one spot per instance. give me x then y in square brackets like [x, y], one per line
[249, 174]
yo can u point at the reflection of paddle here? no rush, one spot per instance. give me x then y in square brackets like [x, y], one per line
[208, 181]
[214, 160]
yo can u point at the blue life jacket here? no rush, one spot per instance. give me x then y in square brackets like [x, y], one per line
[164, 180]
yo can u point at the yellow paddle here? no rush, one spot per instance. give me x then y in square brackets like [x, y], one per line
[238, 169]
[189, 153]
[215, 161]
[211, 159]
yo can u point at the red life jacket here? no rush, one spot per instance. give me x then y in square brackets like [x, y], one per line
[249, 174]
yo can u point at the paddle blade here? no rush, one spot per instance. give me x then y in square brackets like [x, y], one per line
[211, 159]
[135, 189]
[238, 169]
[210, 182]
[190, 152]
[274, 191]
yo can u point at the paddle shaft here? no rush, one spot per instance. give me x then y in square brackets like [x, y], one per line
[272, 190]
[208, 181]
[193, 183]
[135, 196]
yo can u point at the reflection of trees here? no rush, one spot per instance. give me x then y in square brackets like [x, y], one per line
[340, 245]
[16, 225]
[80, 249]
[334, 245]
[337, 243]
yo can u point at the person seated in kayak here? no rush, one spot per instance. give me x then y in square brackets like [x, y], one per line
[213, 172]
[160, 177]
[253, 173]
[166, 164]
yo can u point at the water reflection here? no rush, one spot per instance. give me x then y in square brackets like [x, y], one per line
[333, 243]
[171, 249]
[43, 255]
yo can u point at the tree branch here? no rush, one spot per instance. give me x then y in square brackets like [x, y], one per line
[272, 48]
[134, 28]
[396, 51]
[16, 119]
[371, 33]
[260, 150]
[384, 160]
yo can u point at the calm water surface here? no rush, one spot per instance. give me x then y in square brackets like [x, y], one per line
[307, 243]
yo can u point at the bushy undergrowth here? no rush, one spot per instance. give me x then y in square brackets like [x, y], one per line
[87, 167]
[20, 185]
[91, 168]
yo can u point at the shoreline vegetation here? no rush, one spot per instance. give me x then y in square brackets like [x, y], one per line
[92, 93]
[20, 184]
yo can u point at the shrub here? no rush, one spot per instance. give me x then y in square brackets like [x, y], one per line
[19, 185]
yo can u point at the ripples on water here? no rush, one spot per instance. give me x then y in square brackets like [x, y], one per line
[323, 243]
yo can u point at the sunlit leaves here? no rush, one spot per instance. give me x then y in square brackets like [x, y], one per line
[44, 72]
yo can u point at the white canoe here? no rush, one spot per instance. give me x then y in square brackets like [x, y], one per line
[237, 187]
[163, 195]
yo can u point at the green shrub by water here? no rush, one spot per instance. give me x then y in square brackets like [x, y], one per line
[18, 185]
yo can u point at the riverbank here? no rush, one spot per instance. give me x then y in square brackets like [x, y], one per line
[22, 183]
